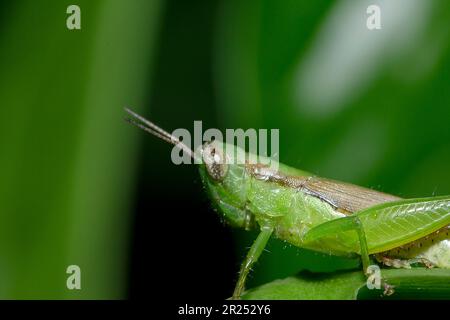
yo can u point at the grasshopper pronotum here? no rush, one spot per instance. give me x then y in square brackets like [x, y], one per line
[316, 213]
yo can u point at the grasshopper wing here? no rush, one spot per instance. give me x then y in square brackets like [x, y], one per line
[346, 197]
[389, 225]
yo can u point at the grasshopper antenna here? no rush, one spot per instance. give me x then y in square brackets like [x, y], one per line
[156, 131]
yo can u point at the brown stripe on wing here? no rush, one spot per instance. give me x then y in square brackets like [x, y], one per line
[346, 197]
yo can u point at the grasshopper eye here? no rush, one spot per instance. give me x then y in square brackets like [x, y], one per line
[215, 161]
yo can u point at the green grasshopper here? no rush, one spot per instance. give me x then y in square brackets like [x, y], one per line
[319, 214]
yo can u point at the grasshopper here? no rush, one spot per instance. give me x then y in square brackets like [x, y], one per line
[315, 213]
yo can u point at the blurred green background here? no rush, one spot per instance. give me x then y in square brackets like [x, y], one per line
[367, 107]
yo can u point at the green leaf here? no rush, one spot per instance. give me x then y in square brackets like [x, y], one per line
[65, 151]
[416, 283]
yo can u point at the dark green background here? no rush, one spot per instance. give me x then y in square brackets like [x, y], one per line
[76, 187]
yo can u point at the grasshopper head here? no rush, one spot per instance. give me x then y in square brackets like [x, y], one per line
[216, 160]
[226, 182]
[224, 178]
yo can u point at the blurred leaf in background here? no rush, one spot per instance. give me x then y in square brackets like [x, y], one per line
[63, 187]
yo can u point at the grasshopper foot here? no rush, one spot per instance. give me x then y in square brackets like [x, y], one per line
[388, 289]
